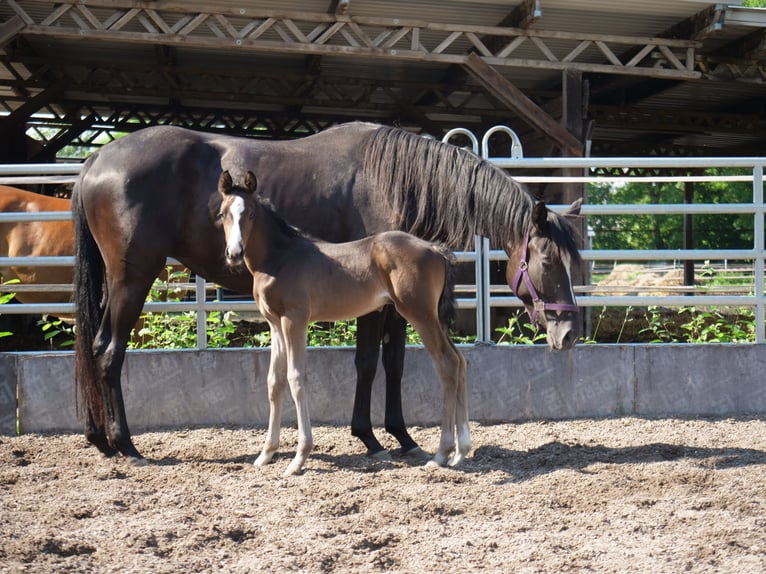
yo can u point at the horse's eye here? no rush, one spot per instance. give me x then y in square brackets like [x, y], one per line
[219, 216]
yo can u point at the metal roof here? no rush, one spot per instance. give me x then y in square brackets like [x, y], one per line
[686, 75]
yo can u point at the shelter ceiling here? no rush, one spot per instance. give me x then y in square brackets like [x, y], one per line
[685, 77]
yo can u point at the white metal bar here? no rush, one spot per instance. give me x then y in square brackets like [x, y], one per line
[200, 297]
[18, 216]
[760, 247]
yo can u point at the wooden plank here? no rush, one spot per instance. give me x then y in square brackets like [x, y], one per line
[520, 104]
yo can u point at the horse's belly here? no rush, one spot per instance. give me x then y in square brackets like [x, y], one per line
[341, 306]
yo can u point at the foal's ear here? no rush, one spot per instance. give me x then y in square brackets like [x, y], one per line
[251, 182]
[224, 183]
[540, 216]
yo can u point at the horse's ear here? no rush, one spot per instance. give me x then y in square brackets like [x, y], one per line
[251, 182]
[540, 215]
[224, 183]
[574, 208]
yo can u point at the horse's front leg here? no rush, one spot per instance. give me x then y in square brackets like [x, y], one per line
[368, 335]
[295, 340]
[394, 339]
[276, 382]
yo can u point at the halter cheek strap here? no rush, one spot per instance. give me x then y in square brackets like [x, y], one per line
[538, 304]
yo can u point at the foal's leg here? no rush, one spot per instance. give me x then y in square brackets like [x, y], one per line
[276, 381]
[295, 339]
[451, 368]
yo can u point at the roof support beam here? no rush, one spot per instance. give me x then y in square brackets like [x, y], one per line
[516, 101]
[9, 29]
[351, 36]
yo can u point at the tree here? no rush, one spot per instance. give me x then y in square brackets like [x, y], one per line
[732, 231]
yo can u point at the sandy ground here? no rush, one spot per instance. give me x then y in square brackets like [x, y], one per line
[617, 495]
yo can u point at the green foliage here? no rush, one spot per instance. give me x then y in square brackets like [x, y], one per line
[701, 326]
[725, 231]
[178, 330]
[7, 298]
[519, 333]
[56, 328]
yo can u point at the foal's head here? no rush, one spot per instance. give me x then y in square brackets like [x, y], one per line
[540, 273]
[236, 214]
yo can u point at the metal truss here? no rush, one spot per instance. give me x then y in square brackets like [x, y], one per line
[177, 24]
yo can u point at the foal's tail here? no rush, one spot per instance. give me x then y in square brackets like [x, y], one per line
[447, 309]
[87, 296]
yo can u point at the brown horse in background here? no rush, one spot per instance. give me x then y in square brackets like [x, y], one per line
[40, 239]
[36, 239]
[297, 280]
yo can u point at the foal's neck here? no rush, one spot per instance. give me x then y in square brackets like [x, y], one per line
[268, 242]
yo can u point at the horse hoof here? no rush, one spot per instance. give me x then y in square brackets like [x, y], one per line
[432, 464]
[293, 470]
[263, 460]
[133, 461]
[381, 455]
[457, 459]
[417, 453]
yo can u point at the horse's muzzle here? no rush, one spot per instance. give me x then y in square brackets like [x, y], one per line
[234, 257]
[563, 335]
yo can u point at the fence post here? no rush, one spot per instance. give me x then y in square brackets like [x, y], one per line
[758, 263]
[201, 296]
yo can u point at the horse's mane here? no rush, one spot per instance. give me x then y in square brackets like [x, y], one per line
[443, 193]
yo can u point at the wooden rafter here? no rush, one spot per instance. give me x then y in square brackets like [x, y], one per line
[527, 110]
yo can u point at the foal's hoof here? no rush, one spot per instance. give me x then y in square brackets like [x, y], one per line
[457, 459]
[133, 461]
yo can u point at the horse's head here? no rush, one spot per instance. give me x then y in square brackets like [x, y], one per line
[235, 215]
[540, 273]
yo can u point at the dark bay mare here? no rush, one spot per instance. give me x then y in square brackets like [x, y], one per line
[151, 194]
[297, 279]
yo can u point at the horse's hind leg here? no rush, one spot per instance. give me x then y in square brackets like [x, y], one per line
[95, 434]
[451, 368]
[124, 303]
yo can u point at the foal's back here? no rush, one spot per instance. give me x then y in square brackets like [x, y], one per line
[347, 280]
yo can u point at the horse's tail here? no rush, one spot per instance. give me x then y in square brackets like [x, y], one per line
[87, 295]
[447, 309]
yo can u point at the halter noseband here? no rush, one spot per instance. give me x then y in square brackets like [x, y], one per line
[538, 304]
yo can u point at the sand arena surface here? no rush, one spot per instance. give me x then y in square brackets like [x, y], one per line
[616, 495]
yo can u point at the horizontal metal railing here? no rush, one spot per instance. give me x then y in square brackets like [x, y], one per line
[485, 294]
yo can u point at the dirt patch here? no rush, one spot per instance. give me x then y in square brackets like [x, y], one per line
[593, 495]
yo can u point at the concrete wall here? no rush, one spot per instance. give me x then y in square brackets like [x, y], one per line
[220, 387]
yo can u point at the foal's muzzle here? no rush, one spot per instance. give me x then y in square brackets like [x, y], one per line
[234, 256]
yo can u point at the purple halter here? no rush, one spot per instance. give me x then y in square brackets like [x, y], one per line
[538, 304]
